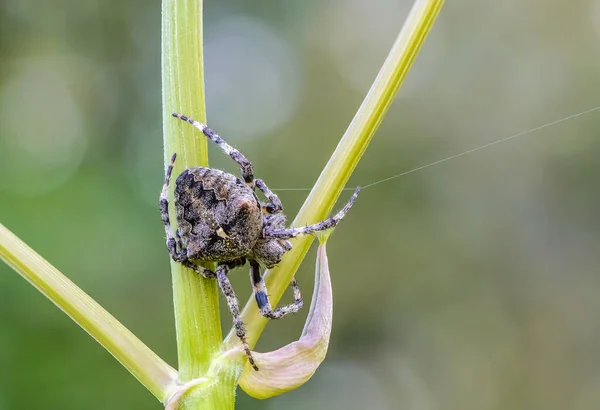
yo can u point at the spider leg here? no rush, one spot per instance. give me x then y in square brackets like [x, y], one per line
[275, 205]
[262, 300]
[234, 308]
[245, 165]
[319, 226]
[206, 273]
[179, 247]
[174, 243]
[175, 253]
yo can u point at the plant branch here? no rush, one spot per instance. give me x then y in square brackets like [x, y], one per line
[156, 375]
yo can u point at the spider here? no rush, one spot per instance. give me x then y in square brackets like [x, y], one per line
[220, 219]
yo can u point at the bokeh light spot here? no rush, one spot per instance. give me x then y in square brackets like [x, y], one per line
[41, 134]
[252, 80]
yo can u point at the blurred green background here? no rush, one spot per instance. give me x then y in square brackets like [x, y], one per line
[473, 284]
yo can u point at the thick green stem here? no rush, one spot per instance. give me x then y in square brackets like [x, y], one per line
[347, 154]
[196, 300]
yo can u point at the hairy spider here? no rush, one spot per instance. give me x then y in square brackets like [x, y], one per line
[221, 220]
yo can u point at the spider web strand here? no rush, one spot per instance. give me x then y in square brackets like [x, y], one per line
[470, 151]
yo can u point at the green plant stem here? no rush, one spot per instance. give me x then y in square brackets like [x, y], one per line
[196, 300]
[156, 375]
[347, 154]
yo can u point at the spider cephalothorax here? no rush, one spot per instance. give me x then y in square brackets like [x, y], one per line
[221, 220]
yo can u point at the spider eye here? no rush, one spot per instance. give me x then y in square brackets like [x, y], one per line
[270, 208]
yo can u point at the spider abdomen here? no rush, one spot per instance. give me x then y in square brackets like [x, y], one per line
[219, 216]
